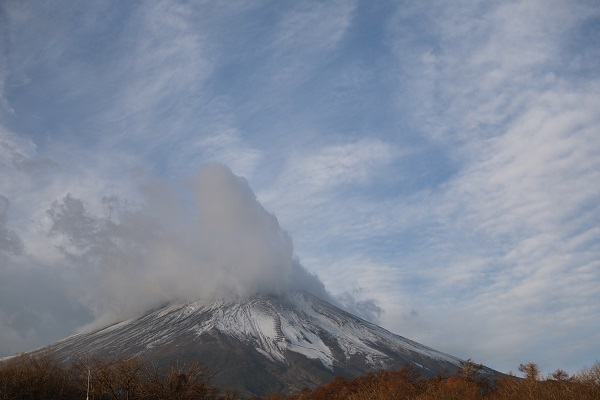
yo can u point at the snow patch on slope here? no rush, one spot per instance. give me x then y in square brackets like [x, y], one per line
[299, 323]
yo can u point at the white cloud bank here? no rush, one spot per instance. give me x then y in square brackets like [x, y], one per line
[205, 238]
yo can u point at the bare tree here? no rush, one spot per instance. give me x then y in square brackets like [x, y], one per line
[530, 370]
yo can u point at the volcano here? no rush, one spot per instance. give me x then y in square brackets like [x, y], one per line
[260, 344]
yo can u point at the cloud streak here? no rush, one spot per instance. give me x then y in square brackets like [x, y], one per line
[491, 85]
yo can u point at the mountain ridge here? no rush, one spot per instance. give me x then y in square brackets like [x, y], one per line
[261, 343]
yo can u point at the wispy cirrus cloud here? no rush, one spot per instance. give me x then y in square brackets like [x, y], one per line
[312, 179]
[309, 31]
[164, 60]
[493, 84]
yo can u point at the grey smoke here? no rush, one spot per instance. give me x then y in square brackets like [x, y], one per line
[204, 238]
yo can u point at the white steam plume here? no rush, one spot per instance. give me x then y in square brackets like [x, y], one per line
[207, 238]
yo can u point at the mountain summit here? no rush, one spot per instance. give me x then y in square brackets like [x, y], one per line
[260, 344]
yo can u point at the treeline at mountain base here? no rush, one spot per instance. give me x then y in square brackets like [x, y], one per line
[41, 376]
[468, 383]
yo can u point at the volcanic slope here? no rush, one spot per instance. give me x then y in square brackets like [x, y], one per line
[259, 344]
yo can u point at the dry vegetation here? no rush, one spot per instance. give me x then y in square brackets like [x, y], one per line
[468, 383]
[42, 377]
[28, 377]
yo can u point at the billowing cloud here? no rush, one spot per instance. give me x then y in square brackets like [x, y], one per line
[204, 238]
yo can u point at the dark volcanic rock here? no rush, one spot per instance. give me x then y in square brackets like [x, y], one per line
[260, 344]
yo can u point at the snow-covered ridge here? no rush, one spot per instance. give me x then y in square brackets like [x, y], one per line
[272, 325]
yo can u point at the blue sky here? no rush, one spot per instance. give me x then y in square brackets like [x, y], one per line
[441, 159]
